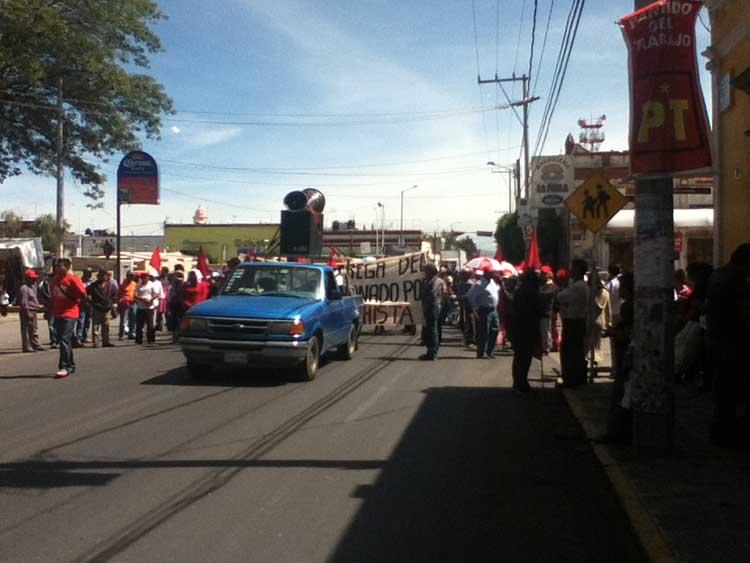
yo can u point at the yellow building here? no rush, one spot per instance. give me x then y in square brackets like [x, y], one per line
[729, 63]
[220, 242]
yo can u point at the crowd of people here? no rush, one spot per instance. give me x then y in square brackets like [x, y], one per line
[80, 311]
[535, 311]
[538, 311]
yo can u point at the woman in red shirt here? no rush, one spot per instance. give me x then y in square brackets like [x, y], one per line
[195, 290]
[67, 293]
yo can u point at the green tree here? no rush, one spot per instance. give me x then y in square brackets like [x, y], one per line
[467, 245]
[95, 48]
[44, 227]
[509, 238]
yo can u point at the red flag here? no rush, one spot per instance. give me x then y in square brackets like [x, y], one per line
[668, 124]
[332, 256]
[533, 262]
[203, 264]
[155, 261]
[499, 255]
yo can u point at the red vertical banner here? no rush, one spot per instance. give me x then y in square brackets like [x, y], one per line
[668, 124]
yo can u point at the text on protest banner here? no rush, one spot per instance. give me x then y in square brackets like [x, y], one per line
[391, 288]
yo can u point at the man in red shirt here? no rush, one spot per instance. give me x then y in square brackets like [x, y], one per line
[67, 294]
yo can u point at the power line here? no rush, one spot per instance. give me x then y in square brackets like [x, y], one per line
[386, 120]
[564, 72]
[289, 172]
[571, 29]
[544, 45]
[533, 38]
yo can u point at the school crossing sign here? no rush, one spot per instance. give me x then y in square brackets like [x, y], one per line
[595, 202]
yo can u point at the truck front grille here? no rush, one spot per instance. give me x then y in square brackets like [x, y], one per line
[238, 327]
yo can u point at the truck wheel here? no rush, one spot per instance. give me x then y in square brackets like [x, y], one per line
[347, 349]
[198, 370]
[309, 367]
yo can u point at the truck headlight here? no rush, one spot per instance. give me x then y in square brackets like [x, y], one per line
[194, 324]
[293, 328]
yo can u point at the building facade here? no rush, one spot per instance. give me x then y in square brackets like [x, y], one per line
[220, 242]
[693, 215]
[729, 63]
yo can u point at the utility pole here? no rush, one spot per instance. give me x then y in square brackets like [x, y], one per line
[653, 366]
[60, 169]
[525, 80]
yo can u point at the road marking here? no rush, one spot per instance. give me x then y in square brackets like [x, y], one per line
[361, 409]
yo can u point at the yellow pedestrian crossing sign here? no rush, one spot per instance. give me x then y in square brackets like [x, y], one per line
[595, 202]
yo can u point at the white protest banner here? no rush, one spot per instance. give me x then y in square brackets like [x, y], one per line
[391, 288]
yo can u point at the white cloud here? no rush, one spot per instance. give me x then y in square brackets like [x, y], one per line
[176, 130]
[208, 137]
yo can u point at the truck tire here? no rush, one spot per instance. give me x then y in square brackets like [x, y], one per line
[308, 369]
[198, 370]
[347, 349]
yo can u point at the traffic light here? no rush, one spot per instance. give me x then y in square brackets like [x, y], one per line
[302, 223]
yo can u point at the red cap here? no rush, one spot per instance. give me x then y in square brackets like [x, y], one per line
[562, 274]
[546, 270]
[30, 274]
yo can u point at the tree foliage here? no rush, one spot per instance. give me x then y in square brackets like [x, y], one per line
[509, 238]
[93, 46]
[45, 226]
[467, 245]
[453, 242]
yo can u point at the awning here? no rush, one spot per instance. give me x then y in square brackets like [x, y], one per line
[29, 250]
[683, 219]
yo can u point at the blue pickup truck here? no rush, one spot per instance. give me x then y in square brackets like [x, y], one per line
[272, 314]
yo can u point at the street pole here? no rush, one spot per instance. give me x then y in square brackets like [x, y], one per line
[526, 135]
[401, 231]
[382, 230]
[653, 338]
[60, 216]
[119, 231]
[510, 191]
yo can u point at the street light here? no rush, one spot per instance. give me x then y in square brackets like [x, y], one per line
[511, 173]
[382, 229]
[401, 232]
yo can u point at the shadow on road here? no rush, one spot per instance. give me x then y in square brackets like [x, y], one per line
[62, 473]
[224, 377]
[479, 476]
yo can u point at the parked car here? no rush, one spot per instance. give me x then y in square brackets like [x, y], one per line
[273, 314]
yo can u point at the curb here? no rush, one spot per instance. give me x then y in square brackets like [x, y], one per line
[653, 541]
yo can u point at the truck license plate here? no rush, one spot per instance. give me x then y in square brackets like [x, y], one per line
[235, 357]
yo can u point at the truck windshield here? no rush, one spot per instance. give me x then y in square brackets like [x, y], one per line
[280, 281]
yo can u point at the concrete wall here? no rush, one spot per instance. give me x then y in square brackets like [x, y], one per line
[219, 242]
[730, 55]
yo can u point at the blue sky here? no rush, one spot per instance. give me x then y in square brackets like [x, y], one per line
[295, 94]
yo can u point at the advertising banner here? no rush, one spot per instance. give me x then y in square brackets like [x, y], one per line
[391, 288]
[138, 179]
[668, 124]
[552, 180]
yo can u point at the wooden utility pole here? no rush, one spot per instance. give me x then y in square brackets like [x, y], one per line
[525, 80]
[653, 339]
[60, 216]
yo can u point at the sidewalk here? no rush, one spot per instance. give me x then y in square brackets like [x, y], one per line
[693, 506]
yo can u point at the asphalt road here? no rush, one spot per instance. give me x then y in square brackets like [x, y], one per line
[382, 458]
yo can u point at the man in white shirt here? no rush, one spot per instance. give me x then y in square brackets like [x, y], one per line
[573, 303]
[613, 287]
[147, 295]
[483, 298]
